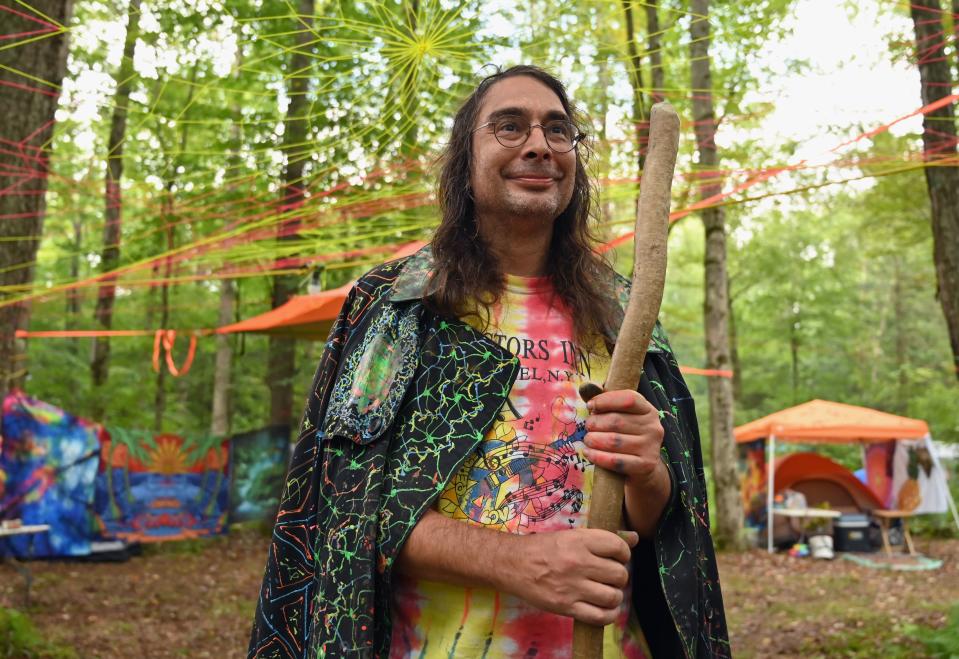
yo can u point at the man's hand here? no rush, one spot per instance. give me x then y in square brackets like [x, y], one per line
[579, 573]
[624, 435]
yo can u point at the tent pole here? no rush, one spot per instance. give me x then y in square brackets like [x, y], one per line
[938, 463]
[770, 486]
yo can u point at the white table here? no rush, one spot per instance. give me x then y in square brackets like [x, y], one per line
[24, 529]
[805, 514]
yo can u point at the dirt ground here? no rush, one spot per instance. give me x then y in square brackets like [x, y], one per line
[196, 600]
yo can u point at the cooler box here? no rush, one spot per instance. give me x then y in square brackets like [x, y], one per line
[851, 533]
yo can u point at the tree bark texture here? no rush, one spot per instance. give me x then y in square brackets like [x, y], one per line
[955, 33]
[942, 168]
[28, 110]
[655, 49]
[220, 422]
[281, 366]
[72, 320]
[734, 347]
[223, 370]
[634, 66]
[729, 517]
[110, 255]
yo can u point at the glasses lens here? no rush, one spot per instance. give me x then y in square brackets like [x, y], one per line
[560, 134]
[511, 131]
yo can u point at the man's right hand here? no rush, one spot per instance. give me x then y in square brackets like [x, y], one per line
[579, 573]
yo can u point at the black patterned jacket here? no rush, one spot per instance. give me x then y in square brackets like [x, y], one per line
[400, 399]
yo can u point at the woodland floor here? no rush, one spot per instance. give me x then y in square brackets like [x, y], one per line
[196, 599]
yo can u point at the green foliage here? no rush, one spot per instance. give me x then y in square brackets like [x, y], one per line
[19, 639]
[942, 643]
[833, 288]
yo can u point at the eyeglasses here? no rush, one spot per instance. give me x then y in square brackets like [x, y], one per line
[562, 136]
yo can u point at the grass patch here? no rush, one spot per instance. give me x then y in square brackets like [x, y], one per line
[20, 639]
[191, 547]
[942, 643]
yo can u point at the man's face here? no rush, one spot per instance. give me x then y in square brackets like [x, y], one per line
[530, 181]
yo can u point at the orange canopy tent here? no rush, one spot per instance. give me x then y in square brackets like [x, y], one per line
[823, 421]
[833, 423]
[306, 316]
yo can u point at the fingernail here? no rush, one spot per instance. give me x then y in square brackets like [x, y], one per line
[588, 390]
[631, 538]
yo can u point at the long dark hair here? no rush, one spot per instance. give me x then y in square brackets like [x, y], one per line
[466, 272]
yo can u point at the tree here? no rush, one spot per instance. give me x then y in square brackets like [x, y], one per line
[30, 75]
[281, 366]
[942, 160]
[113, 207]
[729, 516]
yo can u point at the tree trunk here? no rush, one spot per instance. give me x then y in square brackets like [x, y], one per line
[409, 88]
[281, 367]
[655, 49]
[734, 349]
[220, 420]
[222, 375]
[901, 338]
[28, 108]
[729, 515]
[955, 32]
[939, 145]
[634, 67]
[159, 402]
[110, 256]
[71, 321]
[794, 352]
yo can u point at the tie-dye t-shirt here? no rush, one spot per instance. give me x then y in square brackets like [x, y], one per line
[528, 475]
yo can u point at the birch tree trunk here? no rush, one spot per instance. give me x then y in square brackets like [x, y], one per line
[110, 256]
[281, 366]
[28, 110]
[729, 515]
[942, 170]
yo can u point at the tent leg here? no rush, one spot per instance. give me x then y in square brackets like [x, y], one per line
[770, 488]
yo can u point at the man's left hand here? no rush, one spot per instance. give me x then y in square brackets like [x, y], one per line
[624, 435]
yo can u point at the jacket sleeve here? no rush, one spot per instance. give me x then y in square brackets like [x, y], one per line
[676, 590]
[282, 625]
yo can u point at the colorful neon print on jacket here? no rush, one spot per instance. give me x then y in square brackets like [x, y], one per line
[528, 475]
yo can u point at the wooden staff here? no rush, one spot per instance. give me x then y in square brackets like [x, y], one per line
[645, 298]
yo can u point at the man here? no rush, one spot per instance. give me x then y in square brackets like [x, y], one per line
[437, 498]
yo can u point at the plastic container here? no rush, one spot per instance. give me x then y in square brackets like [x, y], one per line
[851, 533]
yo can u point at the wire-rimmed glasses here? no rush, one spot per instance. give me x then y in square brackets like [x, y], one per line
[562, 136]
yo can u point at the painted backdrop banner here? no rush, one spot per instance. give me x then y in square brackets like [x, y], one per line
[48, 463]
[164, 487]
[258, 472]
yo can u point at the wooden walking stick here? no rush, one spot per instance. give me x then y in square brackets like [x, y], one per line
[646, 296]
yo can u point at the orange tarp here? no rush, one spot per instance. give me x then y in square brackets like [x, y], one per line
[832, 423]
[306, 316]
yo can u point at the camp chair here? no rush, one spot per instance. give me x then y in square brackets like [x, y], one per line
[907, 501]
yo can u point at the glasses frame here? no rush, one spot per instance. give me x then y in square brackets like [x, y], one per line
[529, 131]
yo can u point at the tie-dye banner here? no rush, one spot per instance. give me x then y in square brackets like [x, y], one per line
[48, 463]
[752, 481]
[258, 472]
[164, 487]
